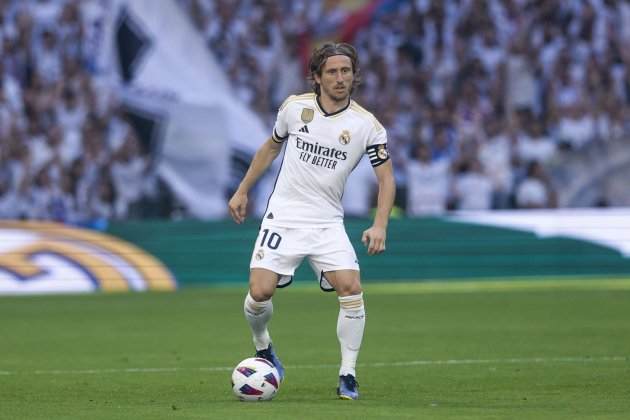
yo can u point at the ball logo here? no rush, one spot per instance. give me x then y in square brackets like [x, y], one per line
[344, 137]
[42, 257]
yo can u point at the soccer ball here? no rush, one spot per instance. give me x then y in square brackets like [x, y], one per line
[255, 379]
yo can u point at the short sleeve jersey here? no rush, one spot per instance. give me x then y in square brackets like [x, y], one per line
[320, 152]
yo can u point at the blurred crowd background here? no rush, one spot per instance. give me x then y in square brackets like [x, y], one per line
[66, 151]
[488, 104]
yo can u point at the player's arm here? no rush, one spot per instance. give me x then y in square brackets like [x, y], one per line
[374, 237]
[263, 158]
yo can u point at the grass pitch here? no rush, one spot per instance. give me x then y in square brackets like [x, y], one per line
[434, 353]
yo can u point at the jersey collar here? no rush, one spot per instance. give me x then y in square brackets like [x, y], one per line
[326, 114]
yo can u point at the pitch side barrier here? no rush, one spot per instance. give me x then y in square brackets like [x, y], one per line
[460, 246]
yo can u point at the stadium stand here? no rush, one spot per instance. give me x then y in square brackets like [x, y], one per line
[488, 104]
[67, 153]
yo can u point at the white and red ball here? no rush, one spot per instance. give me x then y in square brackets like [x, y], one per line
[255, 379]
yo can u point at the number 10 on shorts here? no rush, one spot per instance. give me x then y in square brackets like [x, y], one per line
[272, 241]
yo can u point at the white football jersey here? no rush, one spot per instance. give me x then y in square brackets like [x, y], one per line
[320, 152]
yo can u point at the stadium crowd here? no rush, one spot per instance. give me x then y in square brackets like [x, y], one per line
[479, 97]
[67, 152]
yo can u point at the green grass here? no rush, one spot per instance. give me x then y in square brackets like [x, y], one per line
[431, 353]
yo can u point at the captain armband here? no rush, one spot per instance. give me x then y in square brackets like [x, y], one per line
[378, 154]
[277, 138]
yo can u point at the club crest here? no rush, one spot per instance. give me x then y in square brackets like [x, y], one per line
[382, 152]
[260, 255]
[344, 137]
[307, 115]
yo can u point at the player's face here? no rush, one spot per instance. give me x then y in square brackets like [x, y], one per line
[336, 79]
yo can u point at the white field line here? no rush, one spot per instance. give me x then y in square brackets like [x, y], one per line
[516, 360]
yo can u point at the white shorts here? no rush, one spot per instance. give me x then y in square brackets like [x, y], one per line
[282, 250]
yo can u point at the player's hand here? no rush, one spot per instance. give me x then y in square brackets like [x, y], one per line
[238, 207]
[374, 239]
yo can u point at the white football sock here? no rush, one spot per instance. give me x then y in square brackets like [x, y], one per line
[350, 326]
[258, 315]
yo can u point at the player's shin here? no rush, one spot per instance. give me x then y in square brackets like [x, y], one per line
[350, 326]
[258, 315]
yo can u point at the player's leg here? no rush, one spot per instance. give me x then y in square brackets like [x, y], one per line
[258, 305]
[258, 310]
[274, 260]
[335, 261]
[350, 327]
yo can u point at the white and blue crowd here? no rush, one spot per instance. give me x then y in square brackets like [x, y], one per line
[67, 152]
[480, 98]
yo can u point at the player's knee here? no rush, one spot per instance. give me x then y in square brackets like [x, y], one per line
[349, 288]
[260, 293]
[262, 284]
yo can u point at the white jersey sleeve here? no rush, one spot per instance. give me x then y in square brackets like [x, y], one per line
[281, 128]
[377, 145]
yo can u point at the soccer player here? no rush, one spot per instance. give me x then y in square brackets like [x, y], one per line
[324, 135]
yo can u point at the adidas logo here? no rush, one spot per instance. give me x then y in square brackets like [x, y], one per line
[270, 216]
[303, 129]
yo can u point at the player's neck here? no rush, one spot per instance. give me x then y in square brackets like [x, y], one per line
[330, 105]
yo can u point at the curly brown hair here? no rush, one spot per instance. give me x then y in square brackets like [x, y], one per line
[321, 54]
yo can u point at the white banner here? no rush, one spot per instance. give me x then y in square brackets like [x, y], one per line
[198, 170]
[165, 67]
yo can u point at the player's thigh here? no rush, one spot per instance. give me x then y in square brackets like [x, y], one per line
[345, 282]
[334, 259]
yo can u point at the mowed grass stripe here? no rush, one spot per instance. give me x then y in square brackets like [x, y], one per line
[514, 360]
[411, 286]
